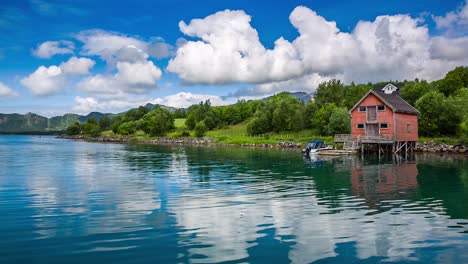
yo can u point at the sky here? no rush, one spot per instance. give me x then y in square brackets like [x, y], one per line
[64, 56]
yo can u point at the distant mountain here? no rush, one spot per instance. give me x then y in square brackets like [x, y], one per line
[11, 123]
[22, 123]
[16, 123]
[168, 108]
[302, 96]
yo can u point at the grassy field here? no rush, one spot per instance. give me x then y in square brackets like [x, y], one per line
[237, 134]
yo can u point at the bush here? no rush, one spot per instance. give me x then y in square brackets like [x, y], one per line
[74, 129]
[200, 129]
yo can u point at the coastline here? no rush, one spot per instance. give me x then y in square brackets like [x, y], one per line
[421, 147]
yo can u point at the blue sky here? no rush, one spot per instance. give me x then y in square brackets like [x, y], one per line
[80, 56]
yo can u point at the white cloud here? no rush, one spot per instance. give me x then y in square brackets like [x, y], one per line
[114, 47]
[394, 47]
[453, 19]
[307, 83]
[77, 66]
[160, 50]
[131, 78]
[45, 81]
[107, 44]
[85, 105]
[185, 99]
[6, 91]
[50, 48]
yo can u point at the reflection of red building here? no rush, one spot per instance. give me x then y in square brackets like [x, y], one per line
[385, 181]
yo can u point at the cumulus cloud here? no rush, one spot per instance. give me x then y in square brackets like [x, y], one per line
[50, 48]
[453, 19]
[114, 47]
[130, 78]
[394, 47]
[107, 44]
[185, 99]
[160, 50]
[53, 79]
[77, 66]
[84, 105]
[307, 83]
[45, 81]
[6, 91]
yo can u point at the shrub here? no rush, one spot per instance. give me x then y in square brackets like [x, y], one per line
[200, 129]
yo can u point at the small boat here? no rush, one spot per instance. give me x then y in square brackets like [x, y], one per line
[314, 147]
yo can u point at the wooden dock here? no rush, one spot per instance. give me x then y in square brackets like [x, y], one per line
[382, 143]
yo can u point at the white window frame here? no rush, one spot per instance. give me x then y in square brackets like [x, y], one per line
[380, 126]
[363, 126]
[384, 108]
[361, 110]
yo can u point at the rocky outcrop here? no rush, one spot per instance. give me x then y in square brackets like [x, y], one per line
[430, 146]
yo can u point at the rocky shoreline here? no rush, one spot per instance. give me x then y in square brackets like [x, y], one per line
[424, 147]
[433, 147]
[180, 141]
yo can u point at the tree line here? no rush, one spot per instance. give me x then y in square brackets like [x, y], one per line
[443, 106]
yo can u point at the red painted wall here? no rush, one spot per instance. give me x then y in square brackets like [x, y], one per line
[402, 133]
[382, 116]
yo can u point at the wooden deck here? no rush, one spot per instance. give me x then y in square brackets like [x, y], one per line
[367, 139]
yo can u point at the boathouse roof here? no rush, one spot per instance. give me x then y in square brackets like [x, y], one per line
[390, 95]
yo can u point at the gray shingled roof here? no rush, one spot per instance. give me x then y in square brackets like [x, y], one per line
[395, 101]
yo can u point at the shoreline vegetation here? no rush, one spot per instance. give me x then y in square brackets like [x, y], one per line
[287, 119]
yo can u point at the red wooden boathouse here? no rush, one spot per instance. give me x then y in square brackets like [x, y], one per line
[384, 119]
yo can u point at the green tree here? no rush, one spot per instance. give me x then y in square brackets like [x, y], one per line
[330, 92]
[260, 124]
[91, 128]
[339, 122]
[105, 123]
[412, 91]
[180, 113]
[453, 81]
[197, 113]
[127, 128]
[321, 119]
[439, 116]
[157, 122]
[74, 129]
[309, 111]
[354, 93]
[200, 129]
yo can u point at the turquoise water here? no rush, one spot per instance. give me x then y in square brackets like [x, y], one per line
[76, 202]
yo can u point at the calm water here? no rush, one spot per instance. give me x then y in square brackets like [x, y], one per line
[75, 202]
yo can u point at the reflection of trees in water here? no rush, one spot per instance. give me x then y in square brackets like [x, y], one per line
[445, 178]
[316, 210]
[442, 178]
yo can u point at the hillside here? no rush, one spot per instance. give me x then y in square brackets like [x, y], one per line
[23, 123]
[11, 123]
[16, 123]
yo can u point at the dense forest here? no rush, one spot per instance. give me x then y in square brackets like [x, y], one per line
[443, 105]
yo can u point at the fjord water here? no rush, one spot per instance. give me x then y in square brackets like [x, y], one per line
[76, 202]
